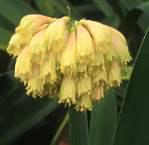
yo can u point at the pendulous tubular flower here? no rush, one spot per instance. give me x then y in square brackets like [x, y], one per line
[29, 25]
[75, 61]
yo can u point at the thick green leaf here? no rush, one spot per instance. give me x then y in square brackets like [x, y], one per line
[4, 39]
[78, 127]
[127, 5]
[134, 26]
[133, 126]
[18, 112]
[14, 10]
[47, 7]
[4, 23]
[139, 15]
[113, 21]
[105, 7]
[56, 8]
[103, 120]
[144, 17]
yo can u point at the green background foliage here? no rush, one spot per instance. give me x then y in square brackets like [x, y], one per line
[119, 119]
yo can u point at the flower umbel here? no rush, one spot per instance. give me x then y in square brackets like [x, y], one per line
[75, 61]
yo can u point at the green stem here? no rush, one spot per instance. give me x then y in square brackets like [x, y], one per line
[78, 127]
[61, 127]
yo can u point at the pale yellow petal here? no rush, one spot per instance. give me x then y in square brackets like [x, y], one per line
[35, 87]
[99, 75]
[29, 25]
[99, 33]
[57, 33]
[38, 46]
[68, 91]
[98, 92]
[119, 45]
[85, 47]
[84, 103]
[68, 61]
[38, 43]
[114, 74]
[23, 66]
[84, 86]
[16, 44]
[33, 23]
[48, 66]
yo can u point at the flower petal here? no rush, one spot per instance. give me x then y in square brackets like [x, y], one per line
[68, 91]
[68, 61]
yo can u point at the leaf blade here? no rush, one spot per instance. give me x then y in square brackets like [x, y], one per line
[103, 120]
[133, 123]
[15, 10]
[78, 135]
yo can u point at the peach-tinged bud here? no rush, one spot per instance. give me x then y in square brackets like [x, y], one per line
[85, 48]
[98, 92]
[99, 33]
[68, 61]
[33, 23]
[38, 47]
[57, 33]
[38, 43]
[119, 45]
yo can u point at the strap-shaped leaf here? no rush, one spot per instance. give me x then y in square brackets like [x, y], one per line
[78, 127]
[4, 39]
[103, 120]
[14, 10]
[105, 7]
[18, 112]
[133, 126]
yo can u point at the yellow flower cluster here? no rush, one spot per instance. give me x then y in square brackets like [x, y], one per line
[76, 61]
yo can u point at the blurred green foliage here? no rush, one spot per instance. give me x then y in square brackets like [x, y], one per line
[19, 113]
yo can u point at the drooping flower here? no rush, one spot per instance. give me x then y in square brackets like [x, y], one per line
[57, 34]
[84, 86]
[28, 26]
[68, 60]
[75, 62]
[84, 46]
[68, 91]
[84, 103]
[119, 45]
[101, 36]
